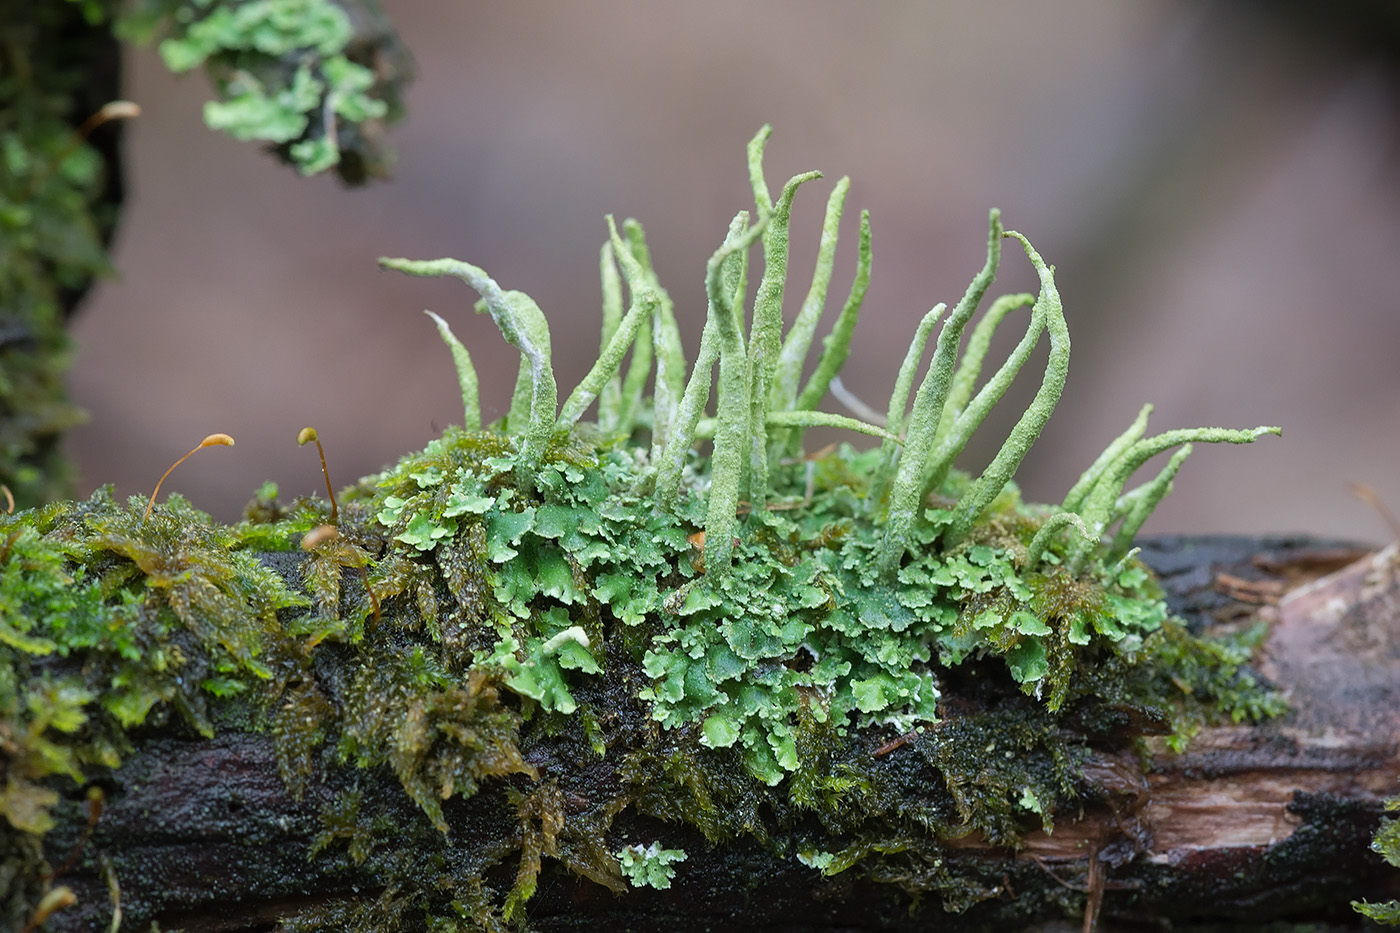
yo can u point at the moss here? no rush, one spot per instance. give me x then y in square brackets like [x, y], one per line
[1386, 844]
[58, 206]
[517, 634]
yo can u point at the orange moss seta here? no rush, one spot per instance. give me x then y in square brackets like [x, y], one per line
[213, 440]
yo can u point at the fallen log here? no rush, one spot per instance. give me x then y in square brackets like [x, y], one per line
[1248, 824]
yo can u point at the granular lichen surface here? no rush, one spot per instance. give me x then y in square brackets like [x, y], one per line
[850, 657]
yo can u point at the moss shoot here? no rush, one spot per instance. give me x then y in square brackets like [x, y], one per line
[851, 657]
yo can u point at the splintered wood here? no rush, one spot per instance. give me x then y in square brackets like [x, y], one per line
[1334, 647]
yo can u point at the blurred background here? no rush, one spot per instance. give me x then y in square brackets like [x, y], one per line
[1216, 183]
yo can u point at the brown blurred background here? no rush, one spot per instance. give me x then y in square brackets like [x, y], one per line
[1217, 188]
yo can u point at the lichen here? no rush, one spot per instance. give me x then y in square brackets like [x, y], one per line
[852, 657]
[299, 74]
[649, 866]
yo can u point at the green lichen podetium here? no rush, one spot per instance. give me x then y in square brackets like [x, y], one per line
[548, 624]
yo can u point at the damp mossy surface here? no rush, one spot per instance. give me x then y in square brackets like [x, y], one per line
[850, 657]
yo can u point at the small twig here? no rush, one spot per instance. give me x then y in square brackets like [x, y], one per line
[857, 407]
[1369, 496]
[896, 742]
[1258, 592]
[1095, 901]
[1040, 863]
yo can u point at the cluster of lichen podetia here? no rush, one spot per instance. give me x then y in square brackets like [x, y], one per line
[544, 584]
[756, 435]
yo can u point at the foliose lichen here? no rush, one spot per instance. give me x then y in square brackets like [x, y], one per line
[304, 75]
[727, 635]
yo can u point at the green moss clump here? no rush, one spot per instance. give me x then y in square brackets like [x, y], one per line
[1387, 845]
[522, 632]
[57, 208]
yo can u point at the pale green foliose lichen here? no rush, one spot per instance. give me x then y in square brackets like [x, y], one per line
[649, 866]
[285, 73]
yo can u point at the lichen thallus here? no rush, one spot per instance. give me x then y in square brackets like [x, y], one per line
[760, 414]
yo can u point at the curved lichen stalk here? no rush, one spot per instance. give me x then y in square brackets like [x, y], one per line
[836, 346]
[732, 404]
[765, 337]
[911, 475]
[898, 409]
[1100, 507]
[970, 366]
[1074, 499]
[962, 417]
[666, 347]
[645, 301]
[793, 355]
[610, 396]
[466, 374]
[1137, 505]
[1003, 466]
[524, 326]
[697, 389]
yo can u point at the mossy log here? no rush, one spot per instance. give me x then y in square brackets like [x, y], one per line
[1248, 825]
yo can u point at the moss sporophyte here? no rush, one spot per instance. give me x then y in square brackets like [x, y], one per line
[730, 633]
